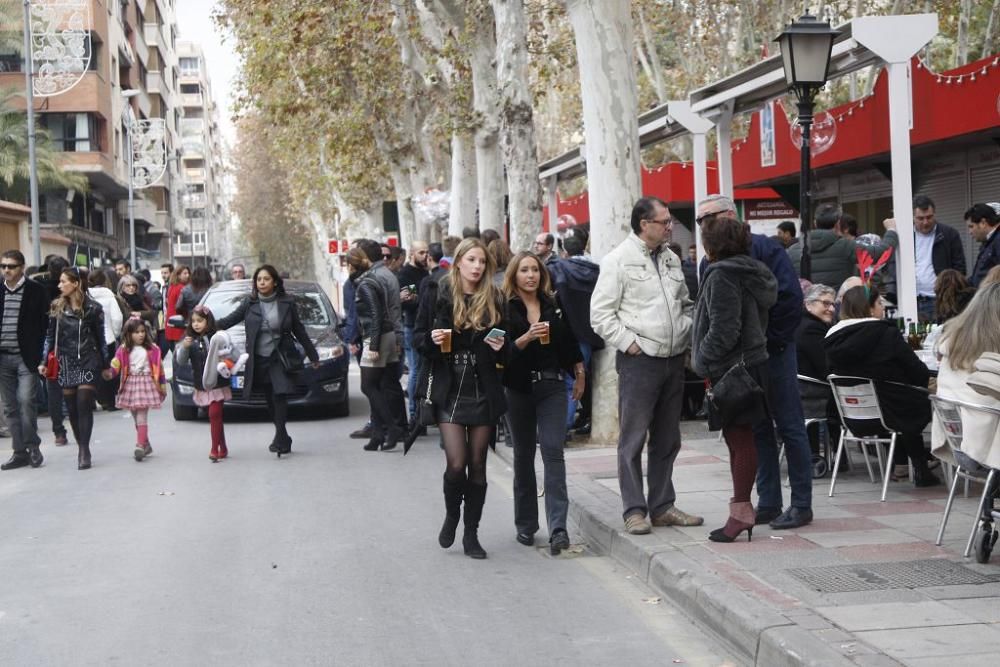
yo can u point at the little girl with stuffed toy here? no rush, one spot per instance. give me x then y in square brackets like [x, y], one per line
[208, 352]
[142, 386]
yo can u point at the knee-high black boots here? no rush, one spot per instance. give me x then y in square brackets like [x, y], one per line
[453, 491]
[475, 497]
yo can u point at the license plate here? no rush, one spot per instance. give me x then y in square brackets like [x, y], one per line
[237, 381]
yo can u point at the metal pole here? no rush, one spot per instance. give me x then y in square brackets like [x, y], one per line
[29, 97]
[805, 120]
[131, 194]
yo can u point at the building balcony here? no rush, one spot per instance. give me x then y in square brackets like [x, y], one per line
[190, 249]
[192, 99]
[194, 175]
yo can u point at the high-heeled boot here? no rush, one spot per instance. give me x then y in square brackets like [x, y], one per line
[214, 454]
[741, 517]
[453, 490]
[475, 498]
[83, 461]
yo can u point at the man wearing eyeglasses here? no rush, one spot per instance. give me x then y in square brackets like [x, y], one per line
[23, 324]
[640, 306]
[543, 247]
[783, 388]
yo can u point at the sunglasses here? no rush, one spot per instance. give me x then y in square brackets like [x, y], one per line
[10, 267]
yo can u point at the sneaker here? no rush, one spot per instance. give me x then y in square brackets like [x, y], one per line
[139, 453]
[363, 433]
[637, 524]
[61, 440]
[676, 517]
[148, 449]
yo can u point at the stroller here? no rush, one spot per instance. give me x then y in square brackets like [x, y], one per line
[984, 533]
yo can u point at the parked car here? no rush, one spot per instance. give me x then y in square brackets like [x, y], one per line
[322, 391]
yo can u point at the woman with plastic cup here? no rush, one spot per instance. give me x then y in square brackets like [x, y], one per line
[465, 351]
[543, 350]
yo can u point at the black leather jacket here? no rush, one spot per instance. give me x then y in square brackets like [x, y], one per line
[79, 337]
[372, 310]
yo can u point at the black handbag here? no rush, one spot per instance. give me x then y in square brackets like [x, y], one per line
[426, 412]
[735, 394]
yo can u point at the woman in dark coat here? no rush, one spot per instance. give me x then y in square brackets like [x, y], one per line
[465, 385]
[76, 335]
[272, 329]
[864, 345]
[190, 295]
[730, 321]
[543, 350]
[376, 339]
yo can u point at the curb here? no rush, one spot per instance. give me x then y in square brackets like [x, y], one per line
[765, 637]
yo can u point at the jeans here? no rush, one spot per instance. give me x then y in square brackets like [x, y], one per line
[650, 390]
[586, 351]
[785, 403]
[413, 361]
[539, 415]
[19, 393]
[926, 309]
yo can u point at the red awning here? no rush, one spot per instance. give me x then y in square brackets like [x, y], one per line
[945, 106]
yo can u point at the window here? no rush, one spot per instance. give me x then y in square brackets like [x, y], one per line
[72, 132]
[199, 238]
[188, 66]
[10, 60]
[190, 89]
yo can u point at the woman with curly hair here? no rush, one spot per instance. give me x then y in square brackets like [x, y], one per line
[952, 293]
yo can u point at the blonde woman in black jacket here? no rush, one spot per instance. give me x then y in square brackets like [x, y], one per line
[465, 366]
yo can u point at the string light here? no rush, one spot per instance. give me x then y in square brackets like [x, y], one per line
[950, 79]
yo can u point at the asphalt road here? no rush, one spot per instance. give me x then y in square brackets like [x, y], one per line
[328, 556]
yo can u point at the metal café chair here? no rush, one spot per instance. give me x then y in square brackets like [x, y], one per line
[949, 413]
[819, 417]
[863, 423]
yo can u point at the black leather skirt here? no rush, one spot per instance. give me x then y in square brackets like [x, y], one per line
[466, 403]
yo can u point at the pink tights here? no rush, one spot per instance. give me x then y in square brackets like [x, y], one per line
[141, 426]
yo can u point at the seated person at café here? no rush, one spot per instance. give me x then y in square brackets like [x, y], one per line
[819, 310]
[864, 345]
[963, 340]
[952, 294]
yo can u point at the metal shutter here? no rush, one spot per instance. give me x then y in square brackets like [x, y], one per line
[950, 193]
[985, 184]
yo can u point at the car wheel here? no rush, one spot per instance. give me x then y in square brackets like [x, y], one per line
[183, 413]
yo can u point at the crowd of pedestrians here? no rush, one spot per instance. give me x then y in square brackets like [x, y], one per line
[496, 341]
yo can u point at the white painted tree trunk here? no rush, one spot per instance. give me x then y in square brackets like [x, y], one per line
[517, 125]
[462, 204]
[489, 166]
[604, 42]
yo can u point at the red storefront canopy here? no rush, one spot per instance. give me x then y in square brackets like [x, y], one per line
[946, 105]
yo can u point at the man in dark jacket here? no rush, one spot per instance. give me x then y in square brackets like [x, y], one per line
[783, 388]
[983, 222]
[833, 256]
[24, 319]
[936, 248]
[574, 279]
[411, 280]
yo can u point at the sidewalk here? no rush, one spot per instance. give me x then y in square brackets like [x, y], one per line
[863, 585]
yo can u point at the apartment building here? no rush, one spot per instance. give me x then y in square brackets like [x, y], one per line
[132, 49]
[202, 237]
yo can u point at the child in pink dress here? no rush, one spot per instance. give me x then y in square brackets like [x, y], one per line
[142, 385]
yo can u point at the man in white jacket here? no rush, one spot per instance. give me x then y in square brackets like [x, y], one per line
[641, 307]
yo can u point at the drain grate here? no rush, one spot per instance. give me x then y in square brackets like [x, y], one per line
[883, 576]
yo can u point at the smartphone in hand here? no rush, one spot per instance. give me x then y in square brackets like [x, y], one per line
[496, 333]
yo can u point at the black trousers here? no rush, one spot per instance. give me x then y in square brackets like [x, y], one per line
[385, 397]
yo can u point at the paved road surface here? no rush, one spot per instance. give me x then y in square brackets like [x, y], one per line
[325, 557]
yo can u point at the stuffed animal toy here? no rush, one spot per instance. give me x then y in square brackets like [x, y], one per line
[224, 360]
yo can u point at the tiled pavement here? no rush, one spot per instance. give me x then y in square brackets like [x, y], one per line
[863, 585]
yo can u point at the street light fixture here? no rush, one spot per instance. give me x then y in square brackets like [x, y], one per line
[806, 46]
[129, 119]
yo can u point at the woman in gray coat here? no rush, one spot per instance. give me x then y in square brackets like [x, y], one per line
[272, 329]
[730, 320]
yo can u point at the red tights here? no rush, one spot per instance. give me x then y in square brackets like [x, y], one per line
[215, 420]
[742, 460]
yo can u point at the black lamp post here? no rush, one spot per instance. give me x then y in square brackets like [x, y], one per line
[806, 46]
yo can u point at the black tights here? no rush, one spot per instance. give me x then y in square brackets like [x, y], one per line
[277, 410]
[465, 448]
[80, 405]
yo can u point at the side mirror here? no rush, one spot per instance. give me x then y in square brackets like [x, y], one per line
[176, 321]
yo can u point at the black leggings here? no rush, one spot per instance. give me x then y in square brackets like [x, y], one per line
[465, 448]
[277, 410]
[80, 405]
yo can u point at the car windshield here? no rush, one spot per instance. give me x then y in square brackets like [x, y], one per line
[311, 306]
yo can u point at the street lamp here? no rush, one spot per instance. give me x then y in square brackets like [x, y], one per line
[129, 123]
[806, 46]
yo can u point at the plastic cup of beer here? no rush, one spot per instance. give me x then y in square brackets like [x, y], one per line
[544, 339]
[446, 341]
